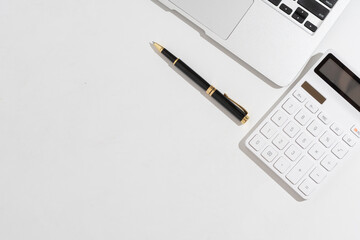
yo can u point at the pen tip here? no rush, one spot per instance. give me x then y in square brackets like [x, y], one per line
[158, 46]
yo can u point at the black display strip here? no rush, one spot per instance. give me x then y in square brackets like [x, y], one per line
[313, 92]
[334, 86]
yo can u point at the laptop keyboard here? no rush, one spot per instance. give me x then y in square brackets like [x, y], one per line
[308, 13]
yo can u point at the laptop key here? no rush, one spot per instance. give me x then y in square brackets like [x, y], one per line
[315, 8]
[329, 3]
[300, 15]
[310, 26]
[275, 2]
[286, 9]
[298, 18]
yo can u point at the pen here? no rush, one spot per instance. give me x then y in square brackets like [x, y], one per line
[238, 111]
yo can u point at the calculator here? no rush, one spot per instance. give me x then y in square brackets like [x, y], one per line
[314, 128]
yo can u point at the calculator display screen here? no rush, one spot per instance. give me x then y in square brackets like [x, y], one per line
[341, 79]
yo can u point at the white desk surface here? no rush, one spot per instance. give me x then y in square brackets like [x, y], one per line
[101, 139]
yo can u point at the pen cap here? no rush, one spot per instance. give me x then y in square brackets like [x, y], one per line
[238, 112]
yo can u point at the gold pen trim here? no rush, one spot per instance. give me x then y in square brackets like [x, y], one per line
[176, 61]
[210, 91]
[246, 118]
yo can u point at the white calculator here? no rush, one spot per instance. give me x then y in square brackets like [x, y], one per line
[313, 129]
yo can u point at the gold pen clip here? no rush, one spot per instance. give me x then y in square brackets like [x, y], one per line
[244, 120]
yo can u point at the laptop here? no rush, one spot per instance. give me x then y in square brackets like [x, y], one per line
[275, 37]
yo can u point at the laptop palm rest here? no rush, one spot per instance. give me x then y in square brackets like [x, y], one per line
[219, 16]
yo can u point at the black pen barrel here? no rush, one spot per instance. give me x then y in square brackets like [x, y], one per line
[168, 55]
[192, 74]
[228, 105]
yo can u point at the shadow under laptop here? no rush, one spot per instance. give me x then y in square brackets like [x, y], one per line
[253, 157]
[217, 45]
[201, 91]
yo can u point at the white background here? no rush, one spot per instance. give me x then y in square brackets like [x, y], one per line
[101, 139]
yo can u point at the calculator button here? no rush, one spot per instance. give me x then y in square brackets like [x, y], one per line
[329, 163]
[268, 130]
[312, 108]
[336, 129]
[349, 140]
[318, 174]
[315, 128]
[269, 154]
[290, 106]
[307, 186]
[328, 139]
[324, 118]
[301, 168]
[303, 117]
[293, 152]
[291, 129]
[356, 131]
[299, 96]
[279, 118]
[316, 151]
[257, 143]
[282, 165]
[340, 150]
[304, 140]
[280, 142]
